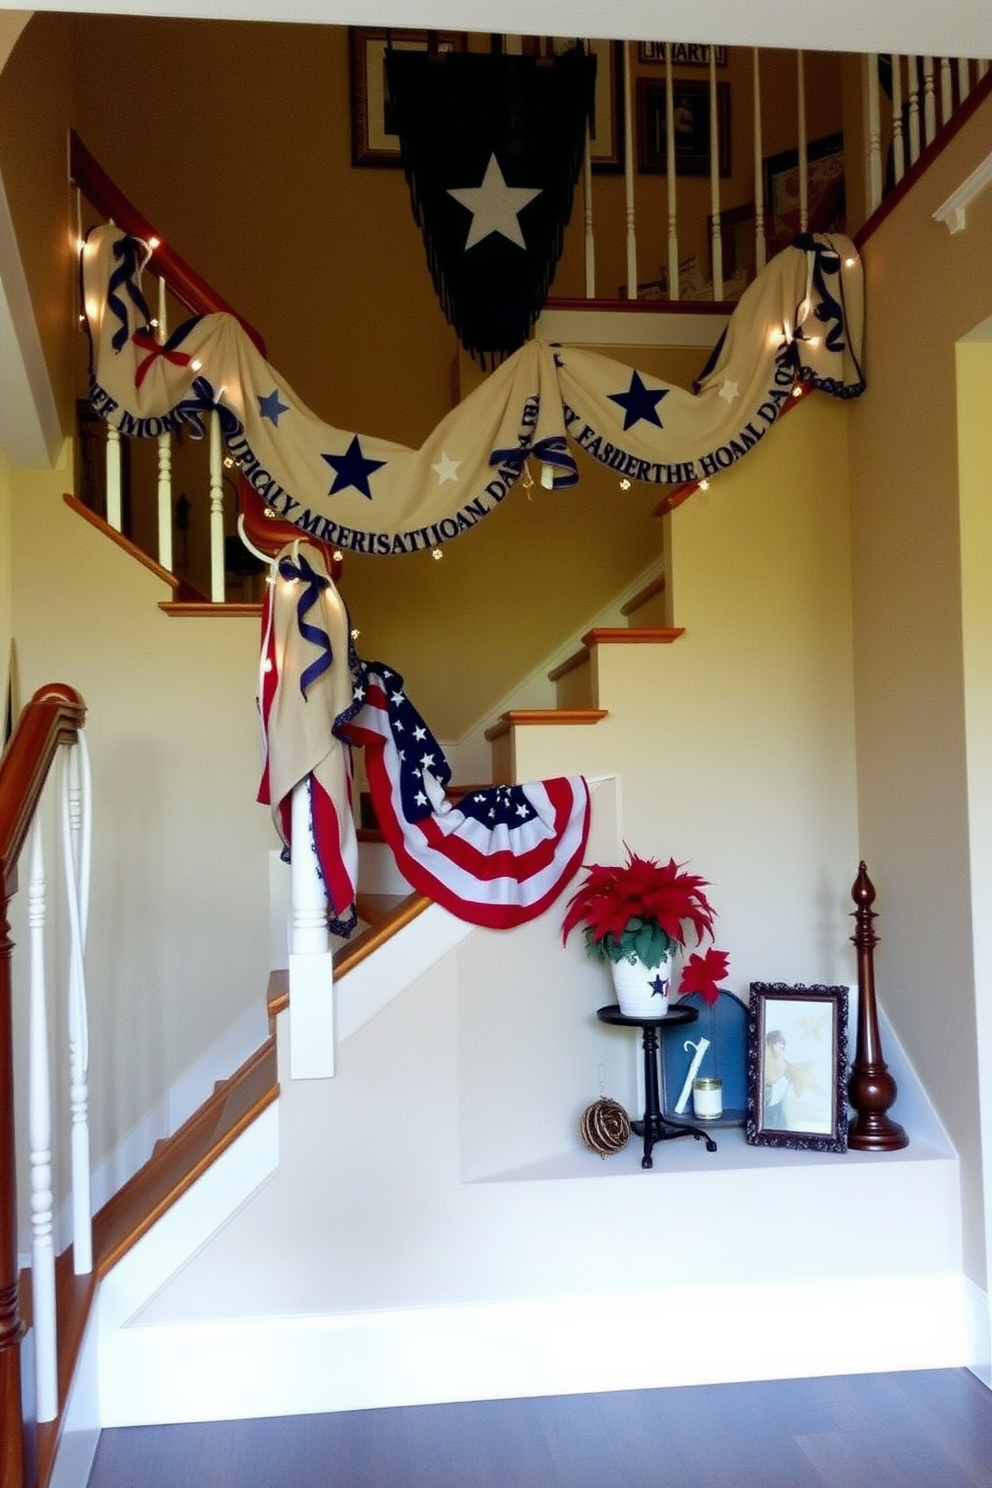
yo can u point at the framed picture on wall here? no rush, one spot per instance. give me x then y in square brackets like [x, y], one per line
[373, 139]
[797, 1067]
[691, 115]
[824, 184]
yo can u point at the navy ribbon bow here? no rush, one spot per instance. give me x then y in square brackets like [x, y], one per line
[315, 583]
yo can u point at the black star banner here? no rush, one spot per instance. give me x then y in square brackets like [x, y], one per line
[492, 147]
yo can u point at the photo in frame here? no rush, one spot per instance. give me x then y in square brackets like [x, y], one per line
[373, 141]
[797, 1067]
[824, 189]
[691, 110]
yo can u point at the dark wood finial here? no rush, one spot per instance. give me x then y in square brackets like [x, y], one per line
[871, 1090]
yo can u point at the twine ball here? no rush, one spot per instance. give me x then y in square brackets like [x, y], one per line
[605, 1127]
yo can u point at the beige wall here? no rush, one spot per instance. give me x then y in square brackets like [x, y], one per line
[178, 947]
[925, 289]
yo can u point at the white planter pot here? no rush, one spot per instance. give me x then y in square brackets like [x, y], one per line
[642, 991]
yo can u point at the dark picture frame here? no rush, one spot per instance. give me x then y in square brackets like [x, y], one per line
[691, 103]
[606, 140]
[372, 140]
[797, 1067]
[824, 181]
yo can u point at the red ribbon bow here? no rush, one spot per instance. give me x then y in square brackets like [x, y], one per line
[145, 342]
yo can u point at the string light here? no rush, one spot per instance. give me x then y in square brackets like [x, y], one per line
[704, 485]
[437, 554]
[625, 484]
[154, 243]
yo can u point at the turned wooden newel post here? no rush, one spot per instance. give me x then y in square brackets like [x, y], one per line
[870, 1089]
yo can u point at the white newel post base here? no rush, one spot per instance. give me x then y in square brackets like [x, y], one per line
[311, 1016]
[311, 967]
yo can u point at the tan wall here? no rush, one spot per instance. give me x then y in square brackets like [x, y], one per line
[36, 92]
[925, 289]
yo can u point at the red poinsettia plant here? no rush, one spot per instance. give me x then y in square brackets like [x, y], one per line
[643, 910]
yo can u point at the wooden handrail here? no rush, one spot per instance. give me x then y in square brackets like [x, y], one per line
[53, 717]
[183, 280]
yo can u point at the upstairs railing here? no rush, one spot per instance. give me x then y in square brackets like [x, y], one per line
[49, 727]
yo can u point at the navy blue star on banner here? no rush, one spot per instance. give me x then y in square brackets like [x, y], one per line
[639, 402]
[270, 408]
[352, 469]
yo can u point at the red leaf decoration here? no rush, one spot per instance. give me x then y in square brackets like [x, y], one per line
[701, 973]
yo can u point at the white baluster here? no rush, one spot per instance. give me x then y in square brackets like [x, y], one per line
[76, 845]
[164, 456]
[801, 137]
[913, 100]
[760, 235]
[671, 189]
[929, 102]
[40, 1138]
[946, 90]
[311, 971]
[874, 132]
[981, 68]
[964, 79]
[716, 235]
[898, 138]
[216, 511]
[114, 501]
[590, 241]
[628, 139]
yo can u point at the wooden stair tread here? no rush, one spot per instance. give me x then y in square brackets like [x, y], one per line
[522, 717]
[620, 635]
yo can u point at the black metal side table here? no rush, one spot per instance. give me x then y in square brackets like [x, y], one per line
[654, 1127]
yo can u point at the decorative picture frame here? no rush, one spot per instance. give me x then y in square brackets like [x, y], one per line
[824, 176]
[797, 1067]
[684, 54]
[606, 140]
[691, 103]
[372, 141]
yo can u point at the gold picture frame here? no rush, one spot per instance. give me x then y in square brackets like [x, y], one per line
[372, 140]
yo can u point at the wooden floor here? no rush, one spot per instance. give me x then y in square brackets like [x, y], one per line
[926, 1429]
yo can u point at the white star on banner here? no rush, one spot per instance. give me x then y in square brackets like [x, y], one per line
[447, 469]
[729, 391]
[494, 206]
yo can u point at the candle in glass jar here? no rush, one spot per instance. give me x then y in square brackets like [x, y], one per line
[707, 1098]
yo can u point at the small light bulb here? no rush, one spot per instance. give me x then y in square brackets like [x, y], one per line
[196, 364]
[797, 391]
[625, 484]
[704, 485]
[436, 554]
[154, 243]
[337, 555]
